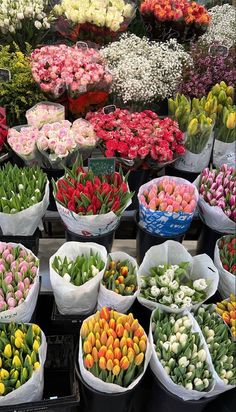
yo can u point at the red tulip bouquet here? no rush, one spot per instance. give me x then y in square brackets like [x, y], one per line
[182, 19]
[138, 139]
[3, 129]
[91, 205]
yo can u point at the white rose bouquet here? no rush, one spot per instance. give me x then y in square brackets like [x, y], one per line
[97, 20]
[24, 21]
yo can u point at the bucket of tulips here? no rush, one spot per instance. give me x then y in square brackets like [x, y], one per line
[76, 270]
[171, 279]
[165, 19]
[89, 205]
[113, 355]
[225, 262]
[19, 283]
[227, 310]
[119, 285]
[24, 198]
[181, 363]
[101, 23]
[23, 352]
[217, 206]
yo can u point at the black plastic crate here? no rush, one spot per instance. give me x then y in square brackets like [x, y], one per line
[70, 323]
[30, 242]
[61, 390]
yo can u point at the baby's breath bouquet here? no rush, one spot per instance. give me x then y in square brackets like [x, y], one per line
[21, 92]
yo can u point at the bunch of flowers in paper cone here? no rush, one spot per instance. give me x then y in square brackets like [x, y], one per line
[182, 19]
[219, 343]
[114, 347]
[227, 251]
[20, 344]
[18, 269]
[171, 286]
[140, 138]
[227, 310]
[101, 21]
[180, 351]
[45, 112]
[120, 277]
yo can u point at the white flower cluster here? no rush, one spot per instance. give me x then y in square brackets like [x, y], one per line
[143, 70]
[102, 13]
[168, 290]
[13, 13]
[223, 26]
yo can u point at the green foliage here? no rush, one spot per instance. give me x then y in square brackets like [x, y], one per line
[21, 92]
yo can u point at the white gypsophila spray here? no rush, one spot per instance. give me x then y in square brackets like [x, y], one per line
[223, 26]
[144, 71]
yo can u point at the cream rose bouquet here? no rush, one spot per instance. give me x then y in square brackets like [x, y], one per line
[97, 20]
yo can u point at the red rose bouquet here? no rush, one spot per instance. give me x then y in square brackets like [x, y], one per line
[141, 138]
[181, 19]
[90, 204]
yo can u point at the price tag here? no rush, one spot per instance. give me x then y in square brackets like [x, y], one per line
[219, 50]
[102, 166]
[81, 45]
[109, 109]
[5, 75]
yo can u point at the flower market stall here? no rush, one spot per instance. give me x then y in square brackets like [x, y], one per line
[117, 205]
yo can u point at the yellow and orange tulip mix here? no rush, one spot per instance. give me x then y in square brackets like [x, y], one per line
[114, 346]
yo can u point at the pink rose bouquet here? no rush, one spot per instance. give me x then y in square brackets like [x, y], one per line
[167, 205]
[141, 138]
[45, 112]
[22, 140]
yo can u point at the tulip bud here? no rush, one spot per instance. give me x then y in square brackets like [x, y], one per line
[88, 361]
[116, 370]
[36, 329]
[4, 374]
[87, 347]
[84, 330]
[105, 313]
[36, 365]
[103, 338]
[110, 365]
[8, 351]
[102, 363]
[91, 338]
[124, 363]
[139, 359]
[2, 388]
[36, 346]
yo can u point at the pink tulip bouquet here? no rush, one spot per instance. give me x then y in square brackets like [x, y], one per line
[217, 201]
[167, 205]
[19, 282]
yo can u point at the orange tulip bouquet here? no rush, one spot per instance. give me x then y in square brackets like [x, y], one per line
[181, 19]
[114, 351]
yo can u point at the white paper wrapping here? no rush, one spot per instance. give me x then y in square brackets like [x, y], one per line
[23, 313]
[25, 223]
[224, 153]
[165, 379]
[173, 253]
[227, 281]
[195, 163]
[213, 216]
[111, 299]
[71, 299]
[101, 386]
[32, 390]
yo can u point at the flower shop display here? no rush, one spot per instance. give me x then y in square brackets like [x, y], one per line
[225, 261]
[217, 206]
[221, 348]
[227, 310]
[100, 21]
[119, 286]
[197, 124]
[24, 198]
[21, 92]
[144, 71]
[114, 351]
[24, 22]
[167, 205]
[207, 69]
[171, 279]
[76, 270]
[23, 354]
[182, 19]
[91, 205]
[138, 139]
[45, 112]
[222, 29]
[19, 284]
[180, 359]
[78, 72]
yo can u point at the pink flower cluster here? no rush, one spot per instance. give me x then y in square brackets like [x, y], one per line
[140, 136]
[23, 141]
[43, 113]
[170, 196]
[18, 270]
[218, 188]
[57, 68]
